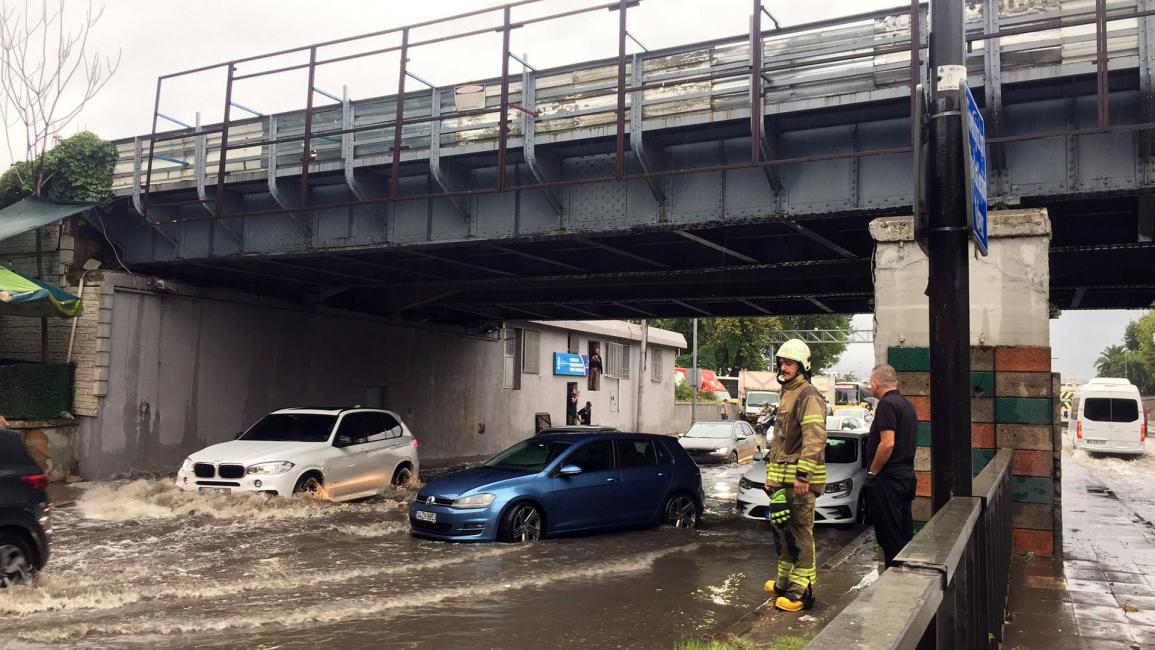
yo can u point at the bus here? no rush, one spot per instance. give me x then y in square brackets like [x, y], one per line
[850, 395]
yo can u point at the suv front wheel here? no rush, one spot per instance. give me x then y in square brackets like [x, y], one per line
[16, 564]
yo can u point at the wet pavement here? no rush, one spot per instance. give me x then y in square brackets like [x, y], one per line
[142, 563]
[1100, 593]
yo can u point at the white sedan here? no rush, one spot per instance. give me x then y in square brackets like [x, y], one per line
[338, 454]
[843, 501]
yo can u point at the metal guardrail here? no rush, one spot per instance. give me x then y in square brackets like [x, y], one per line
[950, 584]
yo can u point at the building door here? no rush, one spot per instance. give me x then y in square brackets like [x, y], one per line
[571, 407]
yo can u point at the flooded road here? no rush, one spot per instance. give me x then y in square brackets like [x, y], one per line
[143, 564]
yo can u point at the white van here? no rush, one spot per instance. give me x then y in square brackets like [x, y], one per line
[1107, 416]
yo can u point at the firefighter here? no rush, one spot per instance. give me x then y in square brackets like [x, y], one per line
[795, 476]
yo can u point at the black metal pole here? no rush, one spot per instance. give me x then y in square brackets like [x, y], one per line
[949, 281]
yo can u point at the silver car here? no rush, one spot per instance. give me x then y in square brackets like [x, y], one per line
[846, 467]
[722, 441]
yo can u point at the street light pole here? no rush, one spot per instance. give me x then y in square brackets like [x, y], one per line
[949, 276]
[694, 379]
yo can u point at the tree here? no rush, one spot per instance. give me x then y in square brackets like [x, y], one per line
[76, 169]
[47, 77]
[728, 345]
[1112, 361]
[822, 356]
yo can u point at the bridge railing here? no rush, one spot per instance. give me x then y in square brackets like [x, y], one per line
[798, 67]
[950, 584]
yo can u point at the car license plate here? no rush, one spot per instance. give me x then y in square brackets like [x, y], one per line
[215, 489]
[1095, 442]
[431, 517]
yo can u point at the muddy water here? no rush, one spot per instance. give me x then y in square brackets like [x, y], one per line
[143, 564]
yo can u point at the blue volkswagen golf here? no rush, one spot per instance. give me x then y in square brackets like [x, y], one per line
[561, 483]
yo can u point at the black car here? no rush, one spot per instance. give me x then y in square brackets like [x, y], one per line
[23, 512]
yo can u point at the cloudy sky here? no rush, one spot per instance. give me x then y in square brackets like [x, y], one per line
[157, 37]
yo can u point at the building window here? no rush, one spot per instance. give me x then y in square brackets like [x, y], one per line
[617, 360]
[656, 365]
[573, 341]
[531, 352]
[509, 375]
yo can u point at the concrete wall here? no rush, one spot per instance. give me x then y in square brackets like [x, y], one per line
[184, 371]
[706, 411]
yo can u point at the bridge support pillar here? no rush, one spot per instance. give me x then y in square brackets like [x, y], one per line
[1015, 398]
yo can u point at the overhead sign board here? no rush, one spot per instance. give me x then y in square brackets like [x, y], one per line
[975, 143]
[570, 365]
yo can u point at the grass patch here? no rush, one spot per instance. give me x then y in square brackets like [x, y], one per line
[738, 643]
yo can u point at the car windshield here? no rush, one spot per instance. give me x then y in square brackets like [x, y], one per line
[843, 423]
[529, 456]
[857, 414]
[292, 427]
[714, 430]
[841, 450]
[758, 399]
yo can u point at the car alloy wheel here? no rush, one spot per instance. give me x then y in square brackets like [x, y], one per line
[734, 457]
[402, 477]
[310, 486]
[681, 512]
[525, 524]
[15, 567]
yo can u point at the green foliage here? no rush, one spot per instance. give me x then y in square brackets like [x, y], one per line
[682, 392]
[16, 183]
[824, 356]
[727, 345]
[78, 168]
[1135, 358]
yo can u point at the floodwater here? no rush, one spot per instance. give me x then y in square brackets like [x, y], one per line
[143, 564]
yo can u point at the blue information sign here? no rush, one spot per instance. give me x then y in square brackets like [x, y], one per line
[570, 365]
[974, 132]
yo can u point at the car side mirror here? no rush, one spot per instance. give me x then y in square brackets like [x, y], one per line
[570, 470]
[343, 440]
[742, 436]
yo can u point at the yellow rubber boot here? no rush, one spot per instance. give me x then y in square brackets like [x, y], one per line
[788, 602]
[771, 587]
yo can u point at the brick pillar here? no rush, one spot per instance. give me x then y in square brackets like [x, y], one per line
[1015, 401]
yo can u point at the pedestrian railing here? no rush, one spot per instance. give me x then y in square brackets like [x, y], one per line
[949, 586]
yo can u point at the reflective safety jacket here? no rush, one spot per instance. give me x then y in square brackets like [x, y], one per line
[798, 451]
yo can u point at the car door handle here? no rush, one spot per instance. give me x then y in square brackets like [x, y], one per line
[611, 480]
[661, 474]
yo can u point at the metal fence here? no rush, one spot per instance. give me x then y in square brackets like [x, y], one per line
[950, 584]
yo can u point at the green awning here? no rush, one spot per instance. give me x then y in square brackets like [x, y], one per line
[24, 296]
[33, 212]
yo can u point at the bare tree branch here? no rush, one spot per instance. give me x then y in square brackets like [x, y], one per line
[47, 74]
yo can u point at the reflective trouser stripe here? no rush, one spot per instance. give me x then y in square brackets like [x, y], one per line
[785, 568]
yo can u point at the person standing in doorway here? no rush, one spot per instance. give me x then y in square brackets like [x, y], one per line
[585, 416]
[795, 477]
[890, 484]
[596, 367]
[571, 408]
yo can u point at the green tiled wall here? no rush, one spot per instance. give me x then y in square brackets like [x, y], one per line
[1023, 410]
[909, 359]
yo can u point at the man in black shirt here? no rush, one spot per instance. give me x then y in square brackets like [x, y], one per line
[890, 485]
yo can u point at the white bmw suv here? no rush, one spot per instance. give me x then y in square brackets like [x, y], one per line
[338, 454]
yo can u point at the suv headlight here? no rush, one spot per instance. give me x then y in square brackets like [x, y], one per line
[474, 501]
[746, 484]
[839, 486]
[187, 465]
[267, 469]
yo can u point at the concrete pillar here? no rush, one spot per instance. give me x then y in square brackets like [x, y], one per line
[1014, 400]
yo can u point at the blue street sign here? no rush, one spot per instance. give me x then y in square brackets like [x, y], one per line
[570, 365]
[975, 135]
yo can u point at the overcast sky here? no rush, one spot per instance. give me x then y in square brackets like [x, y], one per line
[157, 37]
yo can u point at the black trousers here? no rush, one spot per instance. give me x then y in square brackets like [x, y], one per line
[888, 500]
